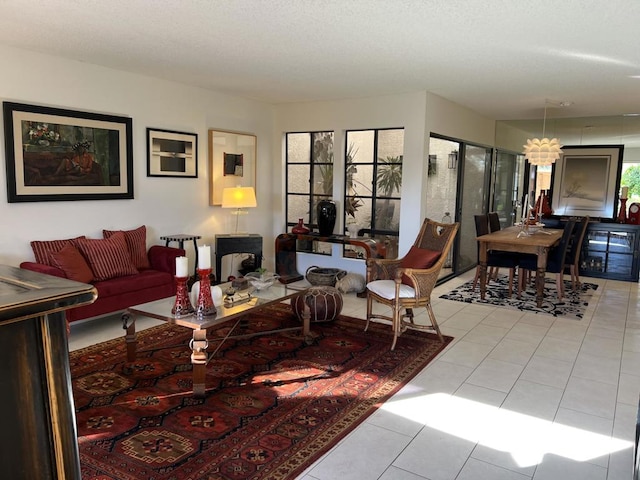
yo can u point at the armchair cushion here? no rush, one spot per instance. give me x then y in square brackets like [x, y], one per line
[71, 261]
[108, 258]
[387, 289]
[420, 258]
[43, 248]
[136, 244]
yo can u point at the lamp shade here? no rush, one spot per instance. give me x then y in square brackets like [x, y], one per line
[239, 197]
[542, 152]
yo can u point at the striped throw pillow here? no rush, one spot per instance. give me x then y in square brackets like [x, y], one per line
[108, 257]
[43, 248]
[136, 244]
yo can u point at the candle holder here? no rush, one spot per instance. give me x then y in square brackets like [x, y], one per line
[182, 306]
[205, 305]
[622, 214]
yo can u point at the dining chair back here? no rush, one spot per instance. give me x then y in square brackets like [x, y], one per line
[555, 260]
[572, 260]
[495, 259]
[494, 221]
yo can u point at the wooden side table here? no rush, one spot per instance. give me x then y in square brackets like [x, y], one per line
[181, 238]
[231, 243]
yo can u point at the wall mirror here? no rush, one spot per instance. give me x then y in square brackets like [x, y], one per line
[232, 162]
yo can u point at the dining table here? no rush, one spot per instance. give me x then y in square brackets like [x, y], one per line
[534, 240]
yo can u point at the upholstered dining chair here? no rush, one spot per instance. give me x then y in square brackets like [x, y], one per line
[555, 261]
[494, 221]
[406, 283]
[572, 261]
[495, 259]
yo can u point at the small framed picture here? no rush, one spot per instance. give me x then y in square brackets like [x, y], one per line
[171, 154]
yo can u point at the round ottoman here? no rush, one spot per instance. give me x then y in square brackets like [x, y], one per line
[324, 302]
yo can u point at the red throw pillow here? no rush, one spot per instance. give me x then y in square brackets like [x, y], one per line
[108, 258]
[43, 248]
[136, 244]
[418, 258]
[71, 261]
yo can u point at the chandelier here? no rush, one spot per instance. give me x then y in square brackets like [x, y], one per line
[545, 151]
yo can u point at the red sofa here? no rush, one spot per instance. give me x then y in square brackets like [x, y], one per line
[116, 294]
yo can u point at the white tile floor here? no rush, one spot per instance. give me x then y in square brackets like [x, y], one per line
[515, 396]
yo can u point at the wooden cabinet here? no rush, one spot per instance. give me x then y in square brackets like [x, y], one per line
[610, 250]
[38, 436]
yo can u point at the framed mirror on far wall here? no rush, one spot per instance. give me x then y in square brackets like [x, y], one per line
[232, 162]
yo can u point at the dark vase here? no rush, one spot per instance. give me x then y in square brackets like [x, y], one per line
[300, 228]
[326, 217]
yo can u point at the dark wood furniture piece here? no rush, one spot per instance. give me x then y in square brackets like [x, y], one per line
[181, 238]
[286, 261]
[611, 250]
[227, 244]
[38, 438]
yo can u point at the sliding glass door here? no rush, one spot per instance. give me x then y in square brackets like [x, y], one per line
[458, 184]
[508, 187]
[473, 200]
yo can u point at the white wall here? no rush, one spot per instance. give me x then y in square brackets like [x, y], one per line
[180, 205]
[165, 205]
[406, 111]
[418, 113]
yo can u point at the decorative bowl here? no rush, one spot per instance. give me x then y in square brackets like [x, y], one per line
[260, 281]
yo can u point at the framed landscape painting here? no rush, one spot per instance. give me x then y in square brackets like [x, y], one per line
[586, 181]
[54, 154]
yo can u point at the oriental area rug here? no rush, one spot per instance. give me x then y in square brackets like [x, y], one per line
[572, 305]
[273, 404]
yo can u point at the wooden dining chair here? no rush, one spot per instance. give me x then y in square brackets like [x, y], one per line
[572, 262]
[555, 261]
[495, 259]
[494, 221]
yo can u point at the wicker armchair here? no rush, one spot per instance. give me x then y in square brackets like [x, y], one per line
[407, 283]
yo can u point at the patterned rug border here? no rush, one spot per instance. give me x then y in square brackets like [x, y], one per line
[410, 363]
[572, 306]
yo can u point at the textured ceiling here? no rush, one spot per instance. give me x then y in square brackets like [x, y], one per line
[503, 59]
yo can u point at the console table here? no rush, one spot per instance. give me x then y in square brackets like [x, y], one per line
[227, 244]
[286, 251]
[38, 438]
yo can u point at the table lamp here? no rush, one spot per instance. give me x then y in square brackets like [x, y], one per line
[239, 198]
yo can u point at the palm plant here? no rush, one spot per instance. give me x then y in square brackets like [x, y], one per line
[388, 180]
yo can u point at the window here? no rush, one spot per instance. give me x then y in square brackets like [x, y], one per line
[373, 181]
[309, 159]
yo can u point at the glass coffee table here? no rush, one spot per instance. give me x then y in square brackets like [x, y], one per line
[238, 311]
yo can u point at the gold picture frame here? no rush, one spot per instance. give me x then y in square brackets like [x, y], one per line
[232, 162]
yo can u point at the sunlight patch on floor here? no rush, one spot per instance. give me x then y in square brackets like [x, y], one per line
[525, 437]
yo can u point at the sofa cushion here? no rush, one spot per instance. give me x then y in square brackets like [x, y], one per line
[108, 257]
[136, 244]
[418, 258]
[71, 261]
[42, 248]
